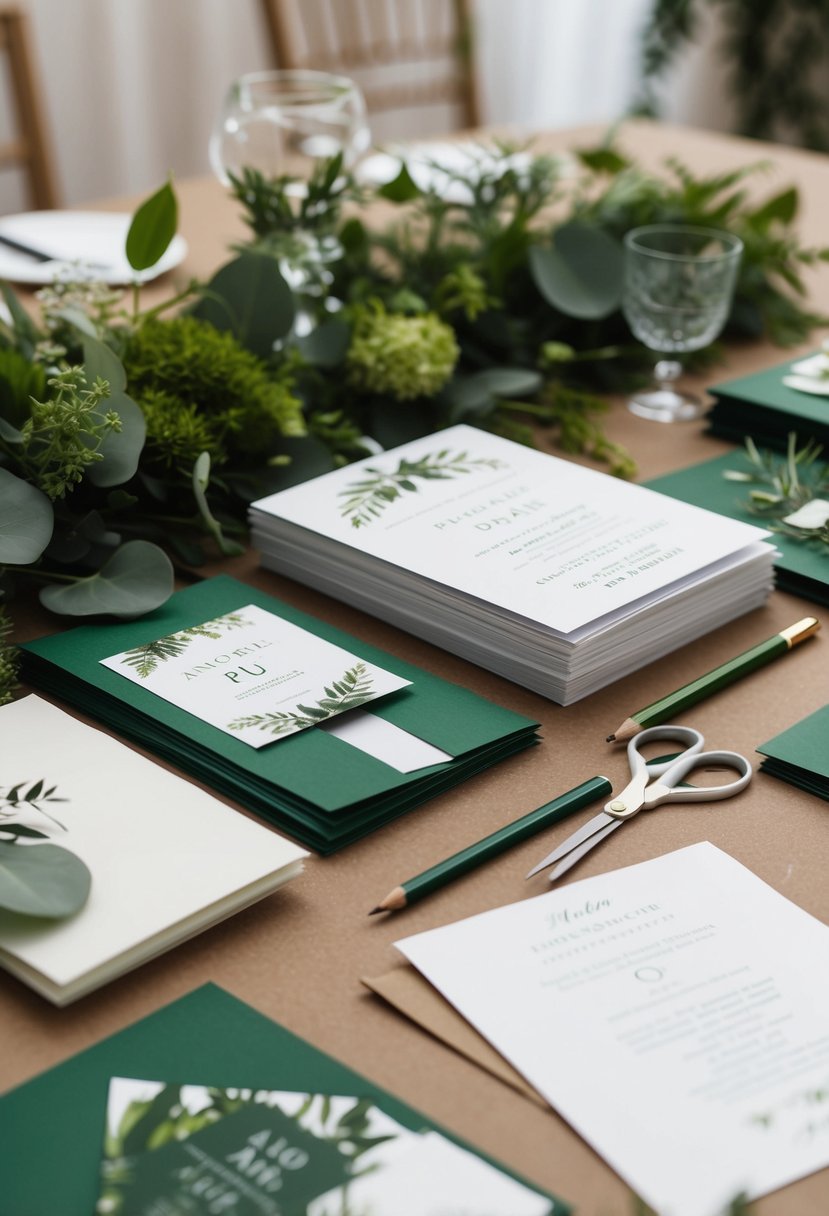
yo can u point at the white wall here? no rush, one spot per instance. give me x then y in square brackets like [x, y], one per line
[132, 87]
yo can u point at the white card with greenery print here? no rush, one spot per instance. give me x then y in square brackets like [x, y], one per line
[194, 1150]
[254, 675]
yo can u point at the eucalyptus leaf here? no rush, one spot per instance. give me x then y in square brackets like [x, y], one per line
[101, 360]
[136, 579]
[152, 228]
[326, 345]
[581, 274]
[42, 880]
[477, 395]
[121, 450]
[26, 521]
[250, 297]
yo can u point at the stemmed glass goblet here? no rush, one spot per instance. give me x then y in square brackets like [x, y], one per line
[285, 122]
[678, 287]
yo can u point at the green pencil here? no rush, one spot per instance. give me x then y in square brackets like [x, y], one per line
[675, 702]
[467, 859]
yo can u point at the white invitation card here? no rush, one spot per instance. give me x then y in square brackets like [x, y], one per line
[674, 1012]
[255, 675]
[543, 538]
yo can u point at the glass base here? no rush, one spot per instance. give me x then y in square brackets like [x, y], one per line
[666, 405]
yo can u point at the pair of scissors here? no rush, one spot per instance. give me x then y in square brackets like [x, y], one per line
[643, 793]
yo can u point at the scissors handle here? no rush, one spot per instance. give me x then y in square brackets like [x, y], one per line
[691, 740]
[668, 788]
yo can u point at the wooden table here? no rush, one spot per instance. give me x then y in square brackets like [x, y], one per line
[298, 956]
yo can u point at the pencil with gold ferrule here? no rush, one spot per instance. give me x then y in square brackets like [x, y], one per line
[675, 702]
[520, 829]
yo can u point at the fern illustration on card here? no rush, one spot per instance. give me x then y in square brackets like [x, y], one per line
[145, 659]
[366, 498]
[353, 689]
[254, 675]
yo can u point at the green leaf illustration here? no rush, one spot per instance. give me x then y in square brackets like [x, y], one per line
[366, 498]
[42, 880]
[352, 689]
[144, 659]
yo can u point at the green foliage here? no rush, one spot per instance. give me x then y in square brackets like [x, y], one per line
[776, 53]
[63, 435]
[152, 228]
[399, 356]
[787, 484]
[9, 660]
[276, 207]
[202, 391]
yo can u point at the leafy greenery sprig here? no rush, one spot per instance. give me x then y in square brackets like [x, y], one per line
[788, 484]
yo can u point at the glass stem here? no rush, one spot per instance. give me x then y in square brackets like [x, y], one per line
[667, 372]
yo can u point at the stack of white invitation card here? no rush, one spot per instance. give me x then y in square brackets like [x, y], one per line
[558, 577]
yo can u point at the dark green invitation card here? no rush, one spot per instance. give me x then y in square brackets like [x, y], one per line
[312, 784]
[189, 1070]
[800, 755]
[195, 1150]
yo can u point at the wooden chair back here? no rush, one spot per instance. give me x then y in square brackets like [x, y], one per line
[28, 150]
[404, 54]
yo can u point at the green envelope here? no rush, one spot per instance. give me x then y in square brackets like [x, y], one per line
[800, 755]
[52, 1127]
[762, 406]
[311, 784]
[802, 568]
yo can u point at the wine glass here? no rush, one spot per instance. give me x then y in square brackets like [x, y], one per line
[679, 282]
[285, 121]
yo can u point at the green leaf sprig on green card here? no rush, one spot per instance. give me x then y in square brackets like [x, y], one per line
[792, 491]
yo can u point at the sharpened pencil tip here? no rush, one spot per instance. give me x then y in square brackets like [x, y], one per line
[610, 739]
[374, 911]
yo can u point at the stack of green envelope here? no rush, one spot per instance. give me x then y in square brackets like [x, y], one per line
[800, 754]
[801, 568]
[318, 789]
[763, 406]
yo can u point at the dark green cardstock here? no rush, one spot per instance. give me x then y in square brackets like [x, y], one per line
[800, 755]
[802, 568]
[52, 1128]
[762, 406]
[331, 792]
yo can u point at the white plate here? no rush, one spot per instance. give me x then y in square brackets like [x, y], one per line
[432, 166]
[85, 244]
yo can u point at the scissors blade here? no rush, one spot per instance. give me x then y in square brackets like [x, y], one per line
[585, 832]
[577, 854]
